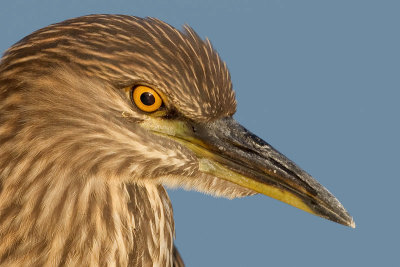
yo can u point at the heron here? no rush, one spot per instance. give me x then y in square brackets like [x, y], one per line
[98, 114]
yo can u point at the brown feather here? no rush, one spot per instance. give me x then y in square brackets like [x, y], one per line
[80, 184]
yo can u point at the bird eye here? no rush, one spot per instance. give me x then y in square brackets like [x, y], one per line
[146, 98]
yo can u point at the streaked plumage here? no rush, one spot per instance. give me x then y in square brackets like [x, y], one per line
[80, 180]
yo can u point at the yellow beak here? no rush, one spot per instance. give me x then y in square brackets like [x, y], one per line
[228, 151]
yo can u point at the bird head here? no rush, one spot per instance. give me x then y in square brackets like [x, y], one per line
[132, 100]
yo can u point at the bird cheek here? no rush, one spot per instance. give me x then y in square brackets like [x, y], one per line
[164, 158]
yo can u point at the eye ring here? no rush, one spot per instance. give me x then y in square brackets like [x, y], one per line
[146, 98]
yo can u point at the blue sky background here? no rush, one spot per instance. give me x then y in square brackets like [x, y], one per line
[319, 80]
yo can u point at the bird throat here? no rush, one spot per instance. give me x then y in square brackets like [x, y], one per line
[90, 223]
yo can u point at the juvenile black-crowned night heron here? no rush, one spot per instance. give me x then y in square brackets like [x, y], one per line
[99, 112]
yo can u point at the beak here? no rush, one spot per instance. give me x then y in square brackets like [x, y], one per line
[227, 150]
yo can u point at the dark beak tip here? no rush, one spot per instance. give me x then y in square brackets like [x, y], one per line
[345, 219]
[352, 223]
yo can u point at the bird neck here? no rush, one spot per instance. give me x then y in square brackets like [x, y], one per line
[154, 225]
[87, 222]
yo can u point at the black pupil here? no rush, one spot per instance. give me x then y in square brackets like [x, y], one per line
[147, 99]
